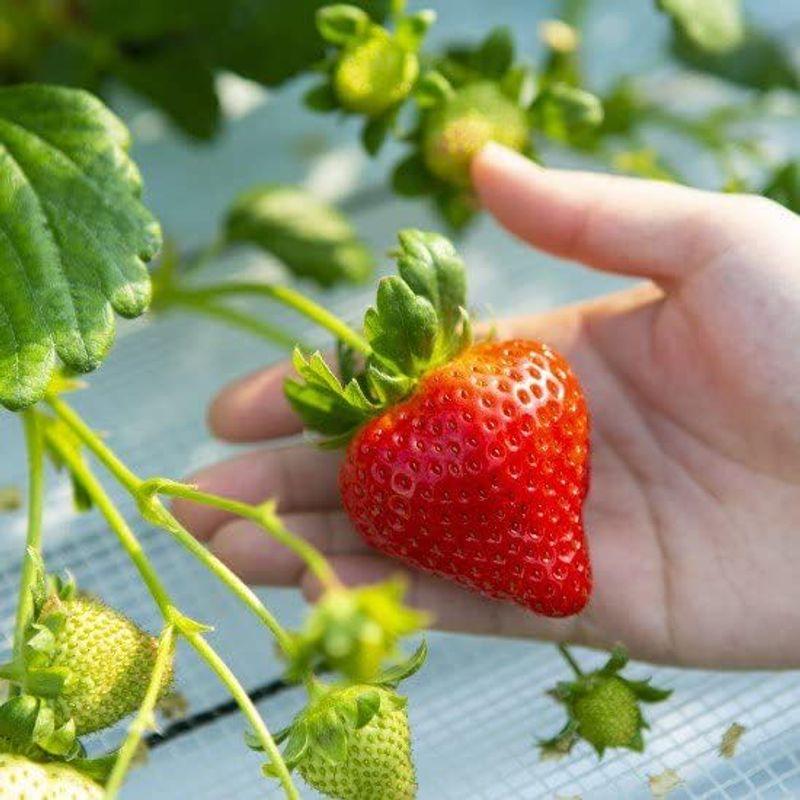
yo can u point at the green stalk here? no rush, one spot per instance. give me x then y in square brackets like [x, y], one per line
[169, 610]
[568, 657]
[144, 718]
[263, 516]
[229, 680]
[292, 299]
[117, 523]
[234, 318]
[34, 441]
[158, 514]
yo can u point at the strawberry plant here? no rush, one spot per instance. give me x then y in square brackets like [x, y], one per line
[463, 456]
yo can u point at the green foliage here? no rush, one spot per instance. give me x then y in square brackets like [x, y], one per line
[713, 25]
[167, 51]
[77, 236]
[419, 321]
[783, 185]
[760, 61]
[310, 237]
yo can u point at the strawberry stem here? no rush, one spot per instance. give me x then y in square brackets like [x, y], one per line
[568, 657]
[290, 298]
[34, 441]
[233, 317]
[158, 514]
[144, 718]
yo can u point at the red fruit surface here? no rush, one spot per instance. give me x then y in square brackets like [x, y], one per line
[480, 477]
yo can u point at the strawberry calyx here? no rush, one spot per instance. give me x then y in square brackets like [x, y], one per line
[335, 714]
[603, 707]
[354, 631]
[419, 321]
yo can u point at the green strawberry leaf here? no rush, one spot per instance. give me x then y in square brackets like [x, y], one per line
[495, 55]
[329, 738]
[322, 402]
[401, 327]
[98, 768]
[783, 186]
[411, 29]
[296, 745]
[341, 24]
[368, 704]
[565, 113]
[648, 693]
[712, 25]
[411, 177]
[178, 80]
[760, 61]
[393, 676]
[311, 238]
[75, 236]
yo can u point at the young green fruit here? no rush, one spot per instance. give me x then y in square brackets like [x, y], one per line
[603, 708]
[107, 661]
[23, 779]
[458, 128]
[374, 73]
[372, 760]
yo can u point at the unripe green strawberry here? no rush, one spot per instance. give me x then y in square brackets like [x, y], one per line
[375, 73]
[23, 779]
[457, 129]
[377, 763]
[603, 707]
[107, 660]
[608, 714]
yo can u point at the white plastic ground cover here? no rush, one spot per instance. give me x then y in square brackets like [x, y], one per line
[478, 706]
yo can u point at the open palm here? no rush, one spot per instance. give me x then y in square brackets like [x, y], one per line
[693, 380]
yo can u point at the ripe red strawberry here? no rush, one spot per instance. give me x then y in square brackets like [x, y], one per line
[469, 461]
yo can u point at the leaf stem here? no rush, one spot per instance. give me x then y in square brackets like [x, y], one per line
[263, 516]
[233, 317]
[292, 299]
[229, 680]
[34, 441]
[154, 511]
[144, 718]
[568, 657]
[189, 630]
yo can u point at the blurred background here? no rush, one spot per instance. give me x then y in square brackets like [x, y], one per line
[478, 707]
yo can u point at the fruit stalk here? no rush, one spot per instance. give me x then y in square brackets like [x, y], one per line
[264, 516]
[34, 441]
[159, 515]
[291, 299]
[568, 657]
[189, 630]
[144, 718]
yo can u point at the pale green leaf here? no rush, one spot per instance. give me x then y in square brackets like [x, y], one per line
[713, 25]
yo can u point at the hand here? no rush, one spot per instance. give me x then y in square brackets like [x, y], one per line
[693, 380]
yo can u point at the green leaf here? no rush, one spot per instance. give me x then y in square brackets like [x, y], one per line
[375, 131]
[400, 672]
[713, 25]
[759, 62]
[648, 693]
[329, 739]
[310, 237]
[368, 704]
[98, 768]
[269, 41]
[139, 21]
[75, 236]
[58, 439]
[411, 177]
[401, 327]
[432, 268]
[179, 81]
[321, 98]
[432, 89]
[496, 54]
[322, 402]
[564, 113]
[342, 23]
[784, 186]
[458, 208]
[411, 29]
[616, 661]
[296, 745]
